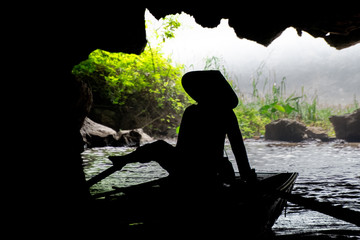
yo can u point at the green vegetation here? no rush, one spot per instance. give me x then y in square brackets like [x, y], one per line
[117, 77]
[147, 89]
[269, 101]
[148, 82]
[273, 103]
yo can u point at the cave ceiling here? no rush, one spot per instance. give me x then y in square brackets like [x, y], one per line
[122, 28]
[339, 26]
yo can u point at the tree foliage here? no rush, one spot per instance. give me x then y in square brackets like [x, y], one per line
[148, 82]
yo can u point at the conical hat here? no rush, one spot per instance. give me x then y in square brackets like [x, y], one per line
[209, 86]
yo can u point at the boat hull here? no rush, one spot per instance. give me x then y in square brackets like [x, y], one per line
[243, 209]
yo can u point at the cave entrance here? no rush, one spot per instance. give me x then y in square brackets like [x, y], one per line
[296, 69]
[301, 72]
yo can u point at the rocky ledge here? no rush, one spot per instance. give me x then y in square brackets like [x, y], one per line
[293, 131]
[97, 135]
[347, 126]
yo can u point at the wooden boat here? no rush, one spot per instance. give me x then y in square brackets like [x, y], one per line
[161, 205]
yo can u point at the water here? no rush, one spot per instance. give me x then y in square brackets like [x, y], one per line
[327, 171]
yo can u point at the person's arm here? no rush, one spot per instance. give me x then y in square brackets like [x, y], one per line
[238, 147]
[183, 131]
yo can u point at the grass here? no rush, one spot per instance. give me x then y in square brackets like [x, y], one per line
[269, 101]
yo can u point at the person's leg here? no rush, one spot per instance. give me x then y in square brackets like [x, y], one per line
[159, 151]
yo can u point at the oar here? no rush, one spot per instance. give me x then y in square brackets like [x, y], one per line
[137, 187]
[327, 208]
[103, 175]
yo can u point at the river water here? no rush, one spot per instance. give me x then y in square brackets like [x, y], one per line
[327, 171]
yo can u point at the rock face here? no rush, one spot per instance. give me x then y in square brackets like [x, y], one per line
[136, 114]
[347, 126]
[97, 135]
[317, 133]
[292, 131]
[285, 130]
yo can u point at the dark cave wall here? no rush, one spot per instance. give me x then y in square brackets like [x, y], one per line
[51, 44]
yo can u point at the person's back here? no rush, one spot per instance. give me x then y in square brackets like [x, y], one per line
[201, 139]
[205, 124]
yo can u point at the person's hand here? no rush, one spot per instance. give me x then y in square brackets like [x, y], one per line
[251, 177]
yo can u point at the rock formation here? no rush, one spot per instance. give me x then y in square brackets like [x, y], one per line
[347, 126]
[285, 130]
[292, 131]
[317, 133]
[97, 135]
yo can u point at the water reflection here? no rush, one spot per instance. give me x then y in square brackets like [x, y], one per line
[96, 160]
[327, 171]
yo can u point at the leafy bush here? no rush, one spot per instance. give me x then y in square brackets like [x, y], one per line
[250, 121]
[147, 82]
[273, 103]
[145, 89]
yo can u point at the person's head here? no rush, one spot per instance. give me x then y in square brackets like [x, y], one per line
[209, 88]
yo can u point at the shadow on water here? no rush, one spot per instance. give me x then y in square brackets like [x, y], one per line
[327, 171]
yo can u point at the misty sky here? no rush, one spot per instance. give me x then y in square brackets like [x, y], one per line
[305, 61]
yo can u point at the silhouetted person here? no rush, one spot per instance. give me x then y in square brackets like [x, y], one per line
[198, 155]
